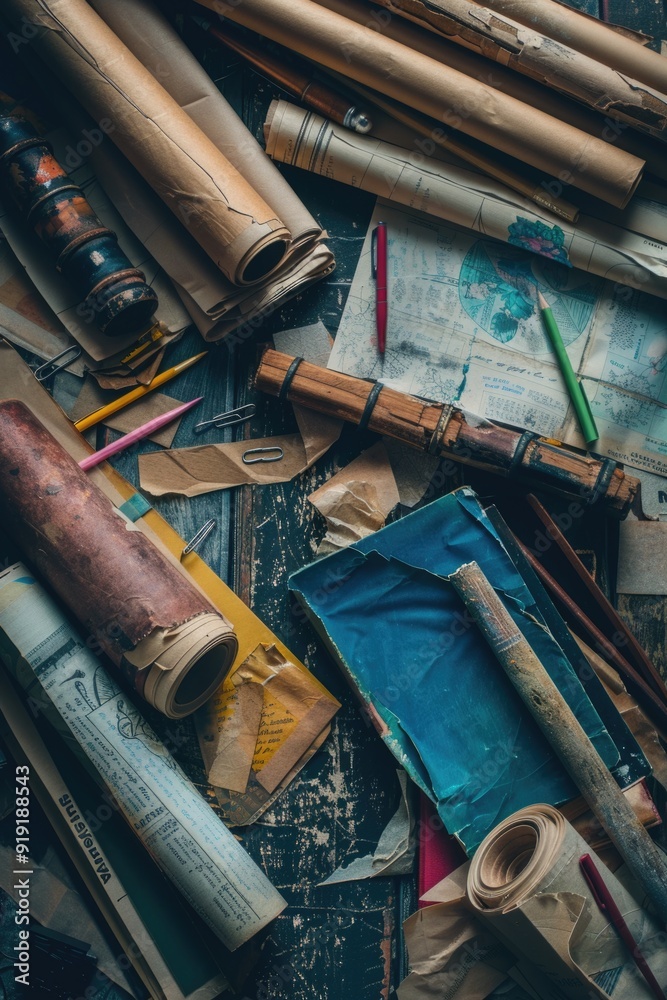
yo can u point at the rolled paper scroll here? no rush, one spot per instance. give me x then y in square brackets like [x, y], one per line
[443, 430]
[209, 196]
[542, 58]
[150, 37]
[525, 883]
[67, 682]
[83, 249]
[463, 196]
[498, 77]
[610, 44]
[156, 627]
[445, 94]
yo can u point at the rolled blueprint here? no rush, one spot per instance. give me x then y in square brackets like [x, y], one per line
[542, 58]
[526, 885]
[178, 828]
[612, 45]
[171, 643]
[212, 199]
[459, 195]
[450, 97]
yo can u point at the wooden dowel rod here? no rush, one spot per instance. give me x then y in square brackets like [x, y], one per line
[564, 733]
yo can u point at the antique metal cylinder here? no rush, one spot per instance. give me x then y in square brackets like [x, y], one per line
[113, 292]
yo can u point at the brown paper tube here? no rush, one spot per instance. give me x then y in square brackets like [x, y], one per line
[444, 94]
[443, 430]
[497, 76]
[170, 642]
[542, 58]
[564, 733]
[233, 224]
[621, 48]
[150, 37]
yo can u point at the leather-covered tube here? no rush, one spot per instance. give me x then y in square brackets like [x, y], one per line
[137, 607]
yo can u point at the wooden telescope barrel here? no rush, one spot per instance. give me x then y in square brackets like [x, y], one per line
[441, 429]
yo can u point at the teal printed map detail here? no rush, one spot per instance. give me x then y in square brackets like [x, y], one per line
[498, 290]
[536, 236]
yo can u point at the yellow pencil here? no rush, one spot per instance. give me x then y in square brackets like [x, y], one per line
[130, 397]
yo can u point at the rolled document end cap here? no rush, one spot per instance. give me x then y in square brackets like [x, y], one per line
[127, 306]
[358, 121]
[178, 683]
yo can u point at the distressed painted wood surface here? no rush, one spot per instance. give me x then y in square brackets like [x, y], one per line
[336, 942]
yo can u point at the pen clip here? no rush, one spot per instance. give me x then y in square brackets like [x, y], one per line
[592, 876]
[374, 253]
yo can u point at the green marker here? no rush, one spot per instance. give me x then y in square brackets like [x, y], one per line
[575, 389]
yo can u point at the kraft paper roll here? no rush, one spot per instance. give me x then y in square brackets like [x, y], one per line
[171, 643]
[609, 44]
[434, 89]
[540, 57]
[526, 884]
[215, 203]
[506, 80]
[150, 37]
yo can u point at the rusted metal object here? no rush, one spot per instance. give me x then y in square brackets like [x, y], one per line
[114, 294]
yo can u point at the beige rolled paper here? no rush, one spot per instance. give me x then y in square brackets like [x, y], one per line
[525, 884]
[612, 45]
[540, 57]
[150, 37]
[498, 77]
[214, 202]
[459, 195]
[448, 96]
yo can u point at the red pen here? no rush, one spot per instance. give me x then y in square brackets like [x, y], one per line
[379, 262]
[608, 906]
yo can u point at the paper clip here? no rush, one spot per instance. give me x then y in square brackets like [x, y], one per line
[197, 539]
[262, 451]
[49, 368]
[228, 419]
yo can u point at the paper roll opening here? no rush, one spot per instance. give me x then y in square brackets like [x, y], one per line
[179, 682]
[513, 859]
[263, 262]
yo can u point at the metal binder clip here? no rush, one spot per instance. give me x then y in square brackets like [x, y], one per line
[229, 419]
[262, 452]
[49, 368]
[197, 539]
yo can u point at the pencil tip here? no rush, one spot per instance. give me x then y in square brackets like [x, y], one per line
[543, 302]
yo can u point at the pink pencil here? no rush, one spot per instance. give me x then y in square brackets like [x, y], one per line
[136, 435]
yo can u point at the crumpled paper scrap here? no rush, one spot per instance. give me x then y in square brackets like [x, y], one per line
[356, 501]
[265, 716]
